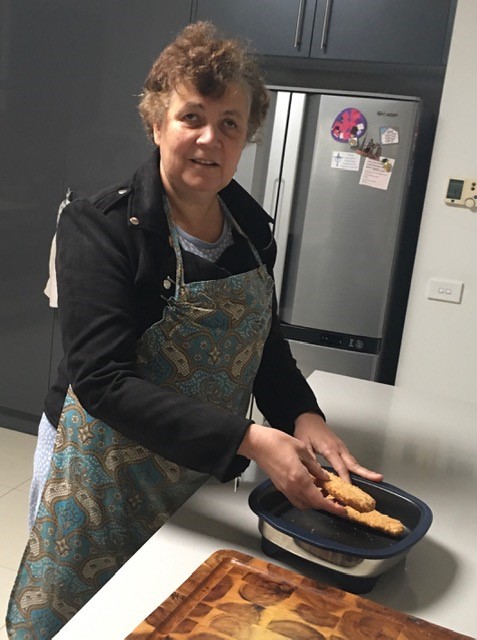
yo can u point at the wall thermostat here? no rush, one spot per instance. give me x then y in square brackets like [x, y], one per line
[462, 192]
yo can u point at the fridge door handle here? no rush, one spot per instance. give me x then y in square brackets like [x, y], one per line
[287, 184]
[299, 24]
[273, 202]
[326, 26]
[277, 145]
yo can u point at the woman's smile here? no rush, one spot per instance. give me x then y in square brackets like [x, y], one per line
[207, 163]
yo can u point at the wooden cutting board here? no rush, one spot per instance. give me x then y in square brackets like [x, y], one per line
[233, 595]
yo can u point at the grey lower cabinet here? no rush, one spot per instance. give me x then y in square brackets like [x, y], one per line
[414, 32]
[271, 27]
[70, 75]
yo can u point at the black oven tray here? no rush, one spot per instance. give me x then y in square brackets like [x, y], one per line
[337, 543]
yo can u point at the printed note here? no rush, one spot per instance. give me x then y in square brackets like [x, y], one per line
[375, 174]
[345, 160]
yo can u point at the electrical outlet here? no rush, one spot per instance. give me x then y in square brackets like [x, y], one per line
[445, 290]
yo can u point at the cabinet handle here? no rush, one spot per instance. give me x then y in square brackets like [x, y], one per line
[299, 24]
[326, 26]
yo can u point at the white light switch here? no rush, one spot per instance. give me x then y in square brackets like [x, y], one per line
[445, 290]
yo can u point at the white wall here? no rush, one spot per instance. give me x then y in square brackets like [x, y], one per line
[439, 348]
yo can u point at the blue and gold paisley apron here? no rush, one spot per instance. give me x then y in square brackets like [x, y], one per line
[106, 495]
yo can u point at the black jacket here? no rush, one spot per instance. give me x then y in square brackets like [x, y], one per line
[114, 267]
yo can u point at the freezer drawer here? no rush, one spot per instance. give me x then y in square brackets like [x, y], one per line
[311, 357]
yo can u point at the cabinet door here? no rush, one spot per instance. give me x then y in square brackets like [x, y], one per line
[70, 75]
[273, 27]
[403, 31]
[106, 141]
[33, 64]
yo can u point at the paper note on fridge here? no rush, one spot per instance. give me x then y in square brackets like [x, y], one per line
[375, 174]
[345, 161]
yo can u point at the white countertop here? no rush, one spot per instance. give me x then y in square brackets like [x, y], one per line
[423, 444]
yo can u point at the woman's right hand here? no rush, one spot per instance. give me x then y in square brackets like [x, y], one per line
[290, 465]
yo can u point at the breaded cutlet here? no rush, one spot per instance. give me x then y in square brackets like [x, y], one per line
[348, 494]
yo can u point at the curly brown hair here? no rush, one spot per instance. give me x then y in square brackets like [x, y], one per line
[199, 55]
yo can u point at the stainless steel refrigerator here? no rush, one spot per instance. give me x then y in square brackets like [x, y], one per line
[333, 171]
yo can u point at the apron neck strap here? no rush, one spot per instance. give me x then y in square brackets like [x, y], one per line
[180, 282]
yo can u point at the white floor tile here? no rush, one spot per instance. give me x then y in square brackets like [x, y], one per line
[7, 578]
[16, 461]
[13, 536]
[24, 486]
[16, 457]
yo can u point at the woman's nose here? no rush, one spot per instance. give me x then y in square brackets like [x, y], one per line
[209, 135]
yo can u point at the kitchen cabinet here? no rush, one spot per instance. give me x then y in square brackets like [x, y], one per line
[406, 32]
[34, 60]
[70, 75]
[412, 32]
[273, 27]
[106, 140]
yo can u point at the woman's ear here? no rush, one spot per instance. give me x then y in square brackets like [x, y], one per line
[156, 131]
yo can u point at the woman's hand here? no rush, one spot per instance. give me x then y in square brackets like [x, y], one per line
[290, 461]
[290, 464]
[314, 433]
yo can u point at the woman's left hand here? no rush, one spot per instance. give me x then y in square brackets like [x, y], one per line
[312, 430]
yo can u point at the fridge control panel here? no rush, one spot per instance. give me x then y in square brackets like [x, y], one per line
[348, 342]
[462, 192]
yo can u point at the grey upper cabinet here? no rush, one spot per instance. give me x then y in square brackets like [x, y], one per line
[272, 27]
[414, 32]
[106, 141]
[394, 31]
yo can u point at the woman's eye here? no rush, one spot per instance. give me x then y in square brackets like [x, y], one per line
[190, 117]
[230, 124]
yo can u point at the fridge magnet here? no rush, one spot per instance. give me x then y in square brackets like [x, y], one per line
[349, 125]
[345, 161]
[375, 174]
[389, 135]
[369, 149]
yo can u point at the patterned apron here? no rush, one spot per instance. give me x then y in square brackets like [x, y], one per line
[106, 495]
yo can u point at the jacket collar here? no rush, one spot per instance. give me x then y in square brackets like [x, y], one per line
[145, 206]
[146, 209]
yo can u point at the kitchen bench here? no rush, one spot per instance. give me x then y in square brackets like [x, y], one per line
[424, 444]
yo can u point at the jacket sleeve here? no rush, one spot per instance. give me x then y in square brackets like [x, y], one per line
[97, 310]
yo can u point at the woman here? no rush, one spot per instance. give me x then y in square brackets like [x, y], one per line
[169, 324]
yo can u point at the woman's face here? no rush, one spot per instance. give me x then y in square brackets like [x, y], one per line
[201, 140]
